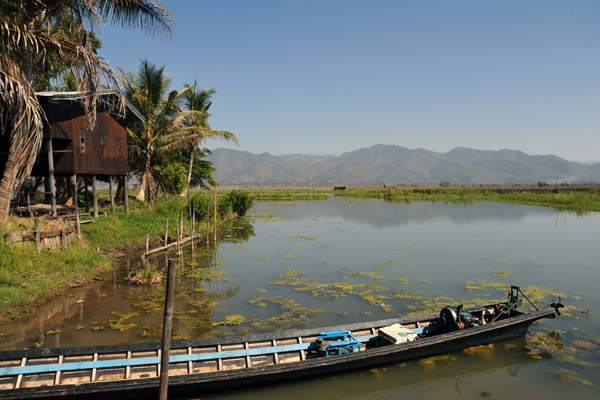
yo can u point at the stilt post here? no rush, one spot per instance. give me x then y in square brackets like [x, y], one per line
[75, 196]
[110, 189]
[38, 238]
[51, 177]
[125, 194]
[95, 196]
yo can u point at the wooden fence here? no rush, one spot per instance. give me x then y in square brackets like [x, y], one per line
[46, 239]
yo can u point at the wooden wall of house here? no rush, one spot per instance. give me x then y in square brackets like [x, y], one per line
[100, 151]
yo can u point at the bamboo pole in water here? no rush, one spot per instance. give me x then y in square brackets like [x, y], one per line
[167, 231]
[167, 329]
[215, 216]
[180, 229]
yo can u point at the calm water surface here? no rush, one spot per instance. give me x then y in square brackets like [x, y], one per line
[340, 260]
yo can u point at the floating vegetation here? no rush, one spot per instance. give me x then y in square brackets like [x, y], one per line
[484, 352]
[265, 216]
[541, 343]
[342, 313]
[394, 262]
[488, 283]
[377, 372]
[52, 332]
[410, 244]
[371, 275]
[287, 255]
[574, 312]
[238, 247]
[569, 376]
[121, 326]
[402, 281]
[576, 361]
[150, 274]
[302, 237]
[231, 320]
[260, 290]
[503, 261]
[470, 285]
[293, 314]
[502, 272]
[429, 364]
[97, 328]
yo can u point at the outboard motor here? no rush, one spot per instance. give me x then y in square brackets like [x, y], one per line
[455, 318]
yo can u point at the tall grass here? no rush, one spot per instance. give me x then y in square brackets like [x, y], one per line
[28, 278]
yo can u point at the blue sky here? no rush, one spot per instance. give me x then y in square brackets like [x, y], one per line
[327, 77]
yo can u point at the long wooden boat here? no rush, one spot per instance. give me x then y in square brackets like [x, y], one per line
[209, 365]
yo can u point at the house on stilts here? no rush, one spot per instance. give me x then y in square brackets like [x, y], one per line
[81, 156]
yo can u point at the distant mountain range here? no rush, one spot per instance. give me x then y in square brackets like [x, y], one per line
[395, 164]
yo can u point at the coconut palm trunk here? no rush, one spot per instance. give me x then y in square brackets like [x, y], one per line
[189, 174]
[7, 183]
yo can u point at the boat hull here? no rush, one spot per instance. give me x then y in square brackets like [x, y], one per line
[198, 383]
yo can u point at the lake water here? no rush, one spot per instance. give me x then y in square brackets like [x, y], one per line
[343, 260]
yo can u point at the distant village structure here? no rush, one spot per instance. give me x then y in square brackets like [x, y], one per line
[80, 156]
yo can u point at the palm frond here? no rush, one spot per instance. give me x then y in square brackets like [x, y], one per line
[21, 116]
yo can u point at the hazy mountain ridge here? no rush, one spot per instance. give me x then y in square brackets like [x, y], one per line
[396, 164]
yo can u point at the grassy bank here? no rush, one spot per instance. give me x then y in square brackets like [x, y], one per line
[29, 278]
[584, 198]
[288, 194]
[121, 232]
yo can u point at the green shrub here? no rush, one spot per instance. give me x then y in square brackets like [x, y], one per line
[239, 201]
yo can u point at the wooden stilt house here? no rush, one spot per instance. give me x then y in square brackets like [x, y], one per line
[80, 154]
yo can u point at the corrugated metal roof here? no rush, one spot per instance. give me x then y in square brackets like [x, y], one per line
[75, 96]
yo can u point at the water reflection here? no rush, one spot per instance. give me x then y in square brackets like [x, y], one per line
[394, 378]
[338, 261]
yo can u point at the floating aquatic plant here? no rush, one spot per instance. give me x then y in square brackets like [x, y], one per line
[149, 274]
[569, 376]
[302, 237]
[484, 351]
[541, 343]
[502, 272]
[238, 247]
[429, 364]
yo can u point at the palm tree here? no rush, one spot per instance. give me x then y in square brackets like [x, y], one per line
[27, 44]
[198, 123]
[166, 127]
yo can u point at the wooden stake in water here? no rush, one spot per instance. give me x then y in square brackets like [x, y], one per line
[167, 231]
[208, 224]
[215, 216]
[167, 329]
